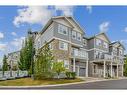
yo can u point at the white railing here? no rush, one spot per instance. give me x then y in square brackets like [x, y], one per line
[7, 74]
[108, 57]
[80, 54]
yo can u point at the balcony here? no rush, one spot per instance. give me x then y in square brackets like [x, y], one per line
[104, 56]
[81, 54]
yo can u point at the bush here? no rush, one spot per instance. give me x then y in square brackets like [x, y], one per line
[71, 75]
[68, 75]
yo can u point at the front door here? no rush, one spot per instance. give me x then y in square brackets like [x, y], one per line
[82, 71]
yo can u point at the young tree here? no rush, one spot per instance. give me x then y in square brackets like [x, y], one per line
[26, 56]
[125, 66]
[43, 63]
[5, 64]
[58, 67]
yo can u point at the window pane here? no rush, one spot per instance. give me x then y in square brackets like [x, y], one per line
[73, 34]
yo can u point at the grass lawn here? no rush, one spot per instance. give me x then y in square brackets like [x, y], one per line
[30, 82]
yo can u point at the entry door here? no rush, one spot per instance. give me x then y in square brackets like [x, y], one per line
[82, 71]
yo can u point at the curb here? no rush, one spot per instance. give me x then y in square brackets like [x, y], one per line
[21, 87]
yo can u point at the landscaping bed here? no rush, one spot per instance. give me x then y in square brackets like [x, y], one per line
[31, 82]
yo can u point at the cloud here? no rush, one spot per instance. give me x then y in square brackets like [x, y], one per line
[17, 42]
[1, 35]
[103, 27]
[13, 33]
[3, 46]
[89, 9]
[125, 29]
[65, 10]
[40, 14]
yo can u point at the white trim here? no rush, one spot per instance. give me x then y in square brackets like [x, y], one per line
[67, 41]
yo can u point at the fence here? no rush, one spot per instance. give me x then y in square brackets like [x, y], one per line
[9, 74]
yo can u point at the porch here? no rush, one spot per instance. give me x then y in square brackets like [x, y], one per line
[105, 69]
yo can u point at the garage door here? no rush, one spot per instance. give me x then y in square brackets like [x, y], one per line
[82, 72]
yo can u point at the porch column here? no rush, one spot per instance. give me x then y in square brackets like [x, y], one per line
[73, 64]
[87, 68]
[78, 71]
[122, 70]
[111, 69]
[104, 70]
[117, 70]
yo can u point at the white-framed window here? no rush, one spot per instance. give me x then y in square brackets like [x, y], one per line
[73, 34]
[66, 64]
[98, 42]
[85, 42]
[120, 52]
[78, 36]
[60, 60]
[62, 29]
[50, 46]
[105, 45]
[63, 45]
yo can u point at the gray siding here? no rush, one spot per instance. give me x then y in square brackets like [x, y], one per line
[101, 47]
[91, 55]
[58, 35]
[67, 37]
[90, 43]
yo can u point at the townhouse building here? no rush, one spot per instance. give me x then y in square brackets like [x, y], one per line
[93, 56]
[13, 59]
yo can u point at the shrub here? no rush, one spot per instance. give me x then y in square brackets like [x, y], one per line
[68, 75]
[73, 74]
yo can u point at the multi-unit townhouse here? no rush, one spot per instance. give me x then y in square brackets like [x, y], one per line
[13, 59]
[106, 58]
[95, 56]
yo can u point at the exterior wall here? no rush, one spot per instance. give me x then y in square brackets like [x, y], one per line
[101, 47]
[90, 43]
[91, 55]
[62, 36]
[46, 36]
[67, 37]
[60, 54]
[13, 58]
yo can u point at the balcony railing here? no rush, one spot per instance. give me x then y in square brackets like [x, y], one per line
[79, 54]
[104, 56]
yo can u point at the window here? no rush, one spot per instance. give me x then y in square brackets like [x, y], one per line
[98, 42]
[79, 36]
[50, 46]
[73, 34]
[62, 29]
[105, 45]
[66, 64]
[85, 42]
[63, 45]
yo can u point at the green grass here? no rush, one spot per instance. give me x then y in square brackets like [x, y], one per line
[30, 82]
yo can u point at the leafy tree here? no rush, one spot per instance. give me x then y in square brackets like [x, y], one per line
[43, 64]
[26, 55]
[5, 64]
[125, 66]
[58, 67]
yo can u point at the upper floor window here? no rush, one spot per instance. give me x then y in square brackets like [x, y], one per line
[79, 36]
[85, 42]
[98, 42]
[62, 29]
[63, 45]
[73, 34]
[120, 52]
[105, 45]
[50, 46]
